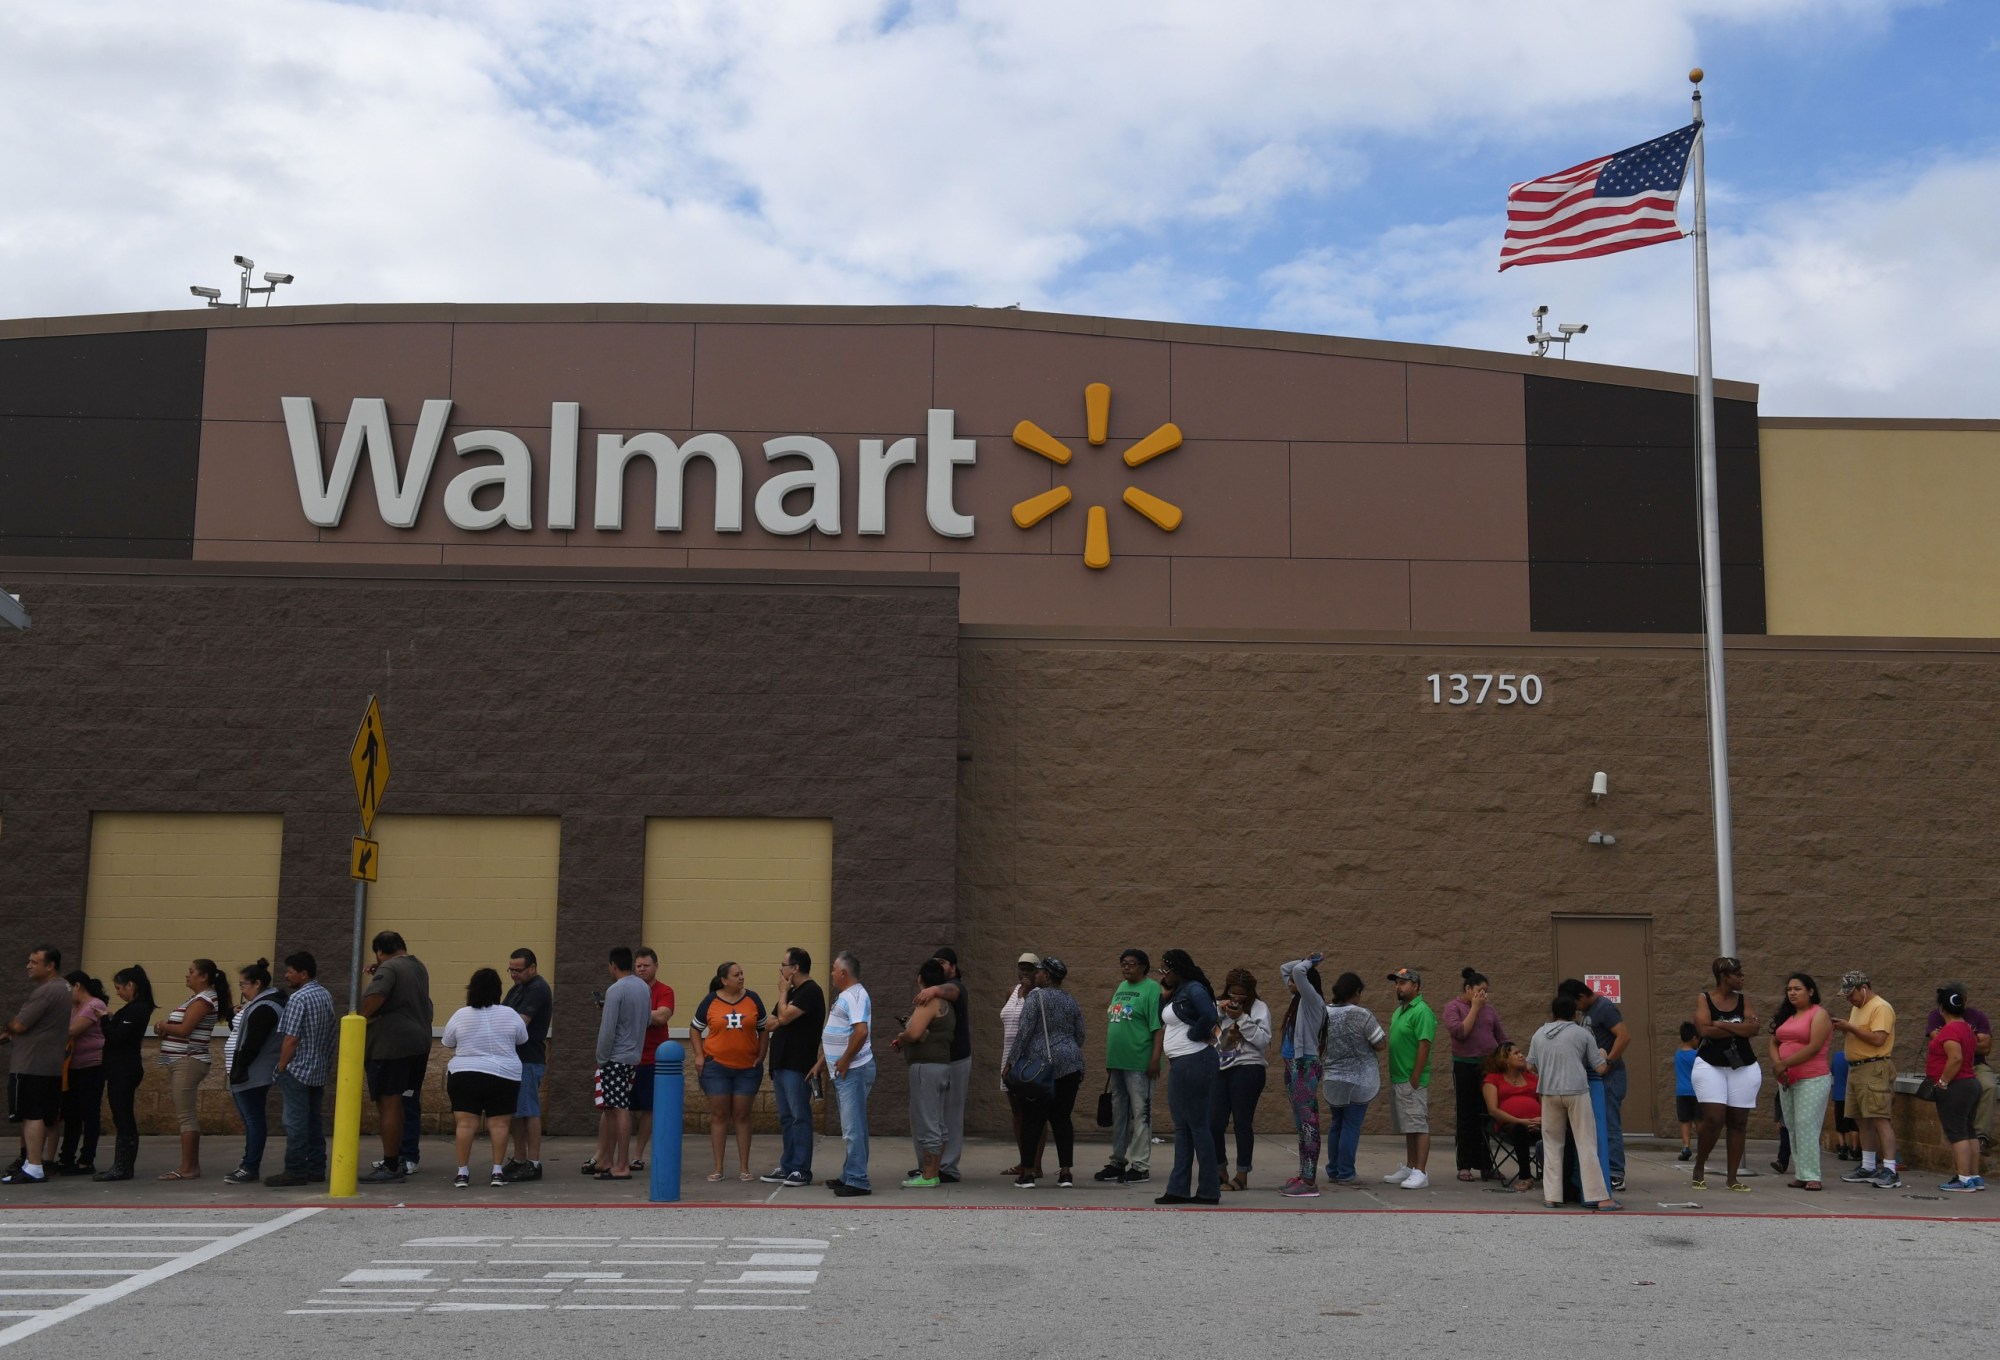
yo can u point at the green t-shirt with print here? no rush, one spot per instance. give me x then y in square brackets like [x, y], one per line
[1413, 1022]
[1129, 1025]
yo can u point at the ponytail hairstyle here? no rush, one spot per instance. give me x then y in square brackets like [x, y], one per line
[721, 978]
[258, 972]
[90, 985]
[1346, 987]
[1472, 978]
[217, 982]
[142, 986]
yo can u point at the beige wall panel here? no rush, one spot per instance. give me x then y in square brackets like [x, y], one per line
[166, 888]
[464, 893]
[737, 889]
[1881, 532]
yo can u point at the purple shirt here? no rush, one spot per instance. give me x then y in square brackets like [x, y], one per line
[1488, 1033]
[1973, 1017]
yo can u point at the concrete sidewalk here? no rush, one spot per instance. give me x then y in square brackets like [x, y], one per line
[1658, 1183]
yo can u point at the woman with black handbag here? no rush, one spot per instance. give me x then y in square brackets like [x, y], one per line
[1948, 1060]
[1047, 1069]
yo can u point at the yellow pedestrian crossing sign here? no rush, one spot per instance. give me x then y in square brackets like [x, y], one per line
[367, 856]
[370, 759]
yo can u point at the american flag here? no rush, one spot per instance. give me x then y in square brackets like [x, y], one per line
[1616, 202]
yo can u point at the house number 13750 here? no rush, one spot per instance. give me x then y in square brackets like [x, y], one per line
[1459, 688]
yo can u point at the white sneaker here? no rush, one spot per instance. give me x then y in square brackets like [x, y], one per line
[1416, 1180]
[1399, 1175]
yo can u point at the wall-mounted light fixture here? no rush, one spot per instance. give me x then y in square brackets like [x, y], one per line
[1598, 788]
[1603, 838]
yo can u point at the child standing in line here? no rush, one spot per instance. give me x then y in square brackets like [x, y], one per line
[1847, 1132]
[1685, 1105]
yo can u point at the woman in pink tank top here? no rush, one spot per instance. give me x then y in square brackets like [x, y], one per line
[1802, 1066]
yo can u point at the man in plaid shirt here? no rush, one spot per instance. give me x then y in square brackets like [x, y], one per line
[310, 1037]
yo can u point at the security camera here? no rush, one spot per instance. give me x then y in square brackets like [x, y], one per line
[210, 293]
[277, 278]
[1541, 311]
[244, 262]
[1573, 328]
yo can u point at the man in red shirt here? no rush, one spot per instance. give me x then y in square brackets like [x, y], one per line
[658, 1030]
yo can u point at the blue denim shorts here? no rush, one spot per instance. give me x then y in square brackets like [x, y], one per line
[528, 1105]
[717, 1080]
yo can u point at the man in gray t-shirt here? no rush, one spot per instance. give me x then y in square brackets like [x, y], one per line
[39, 1034]
[621, 1041]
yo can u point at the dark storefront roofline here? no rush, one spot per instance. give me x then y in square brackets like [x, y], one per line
[551, 313]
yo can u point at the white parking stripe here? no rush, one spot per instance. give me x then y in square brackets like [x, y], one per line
[40, 1322]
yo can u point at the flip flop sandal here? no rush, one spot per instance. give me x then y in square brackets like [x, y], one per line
[1812, 1185]
[589, 1168]
[177, 1176]
[745, 1176]
[1739, 1186]
[1698, 1184]
[608, 1176]
[1468, 1175]
[714, 1176]
[638, 1166]
[1795, 1185]
[1607, 1206]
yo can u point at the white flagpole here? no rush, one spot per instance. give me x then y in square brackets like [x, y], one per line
[1711, 549]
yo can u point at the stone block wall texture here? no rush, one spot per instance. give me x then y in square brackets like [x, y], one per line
[599, 701]
[1252, 801]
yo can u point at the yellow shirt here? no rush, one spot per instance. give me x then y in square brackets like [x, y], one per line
[1875, 1014]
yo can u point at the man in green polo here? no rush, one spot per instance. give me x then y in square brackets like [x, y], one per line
[1411, 1029]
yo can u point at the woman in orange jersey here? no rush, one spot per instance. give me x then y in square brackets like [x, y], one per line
[728, 1038]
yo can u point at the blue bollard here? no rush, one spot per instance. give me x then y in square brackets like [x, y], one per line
[1597, 1107]
[669, 1111]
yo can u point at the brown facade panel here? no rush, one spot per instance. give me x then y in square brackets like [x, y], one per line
[1221, 392]
[1469, 597]
[1220, 592]
[995, 379]
[1438, 501]
[249, 369]
[873, 378]
[1048, 590]
[1465, 406]
[625, 376]
[1232, 496]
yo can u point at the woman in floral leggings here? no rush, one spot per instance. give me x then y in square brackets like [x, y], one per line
[1303, 1030]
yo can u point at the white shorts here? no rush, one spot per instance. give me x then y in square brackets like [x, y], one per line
[1735, 1087]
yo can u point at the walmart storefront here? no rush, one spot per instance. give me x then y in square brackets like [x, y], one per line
[734, 628]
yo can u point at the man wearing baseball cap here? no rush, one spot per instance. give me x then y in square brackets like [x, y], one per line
[1411, 1029]
[1871, 1079]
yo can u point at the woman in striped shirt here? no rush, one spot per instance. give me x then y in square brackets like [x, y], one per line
[184, 1037]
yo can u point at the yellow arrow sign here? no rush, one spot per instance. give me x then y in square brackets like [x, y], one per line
[367, 857]
[370, 759]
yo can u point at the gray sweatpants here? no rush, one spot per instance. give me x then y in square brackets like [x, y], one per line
[930, 1091]
[954, 1114]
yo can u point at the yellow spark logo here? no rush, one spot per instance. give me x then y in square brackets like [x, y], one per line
[1097, 528]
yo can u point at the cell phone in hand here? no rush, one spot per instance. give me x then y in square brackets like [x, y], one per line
[597, 996]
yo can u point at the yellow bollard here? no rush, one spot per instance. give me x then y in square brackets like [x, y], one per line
[350, 1086]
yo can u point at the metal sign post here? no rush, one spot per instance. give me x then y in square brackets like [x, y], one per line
[369, 758]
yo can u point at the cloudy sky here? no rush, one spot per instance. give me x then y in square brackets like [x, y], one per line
[1316, 165]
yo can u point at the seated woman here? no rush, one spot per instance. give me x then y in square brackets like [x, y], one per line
[1515, 1108]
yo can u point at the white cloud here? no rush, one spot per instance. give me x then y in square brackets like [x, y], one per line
[1872, 301]
[852, 151]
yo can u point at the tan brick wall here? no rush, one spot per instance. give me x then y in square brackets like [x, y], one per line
[1252, 801]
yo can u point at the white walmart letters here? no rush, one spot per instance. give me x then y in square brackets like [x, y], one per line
[399, 495]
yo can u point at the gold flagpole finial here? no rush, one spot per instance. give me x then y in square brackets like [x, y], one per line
[1694, 76]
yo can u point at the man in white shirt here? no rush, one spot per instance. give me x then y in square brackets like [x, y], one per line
[844, 1050]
